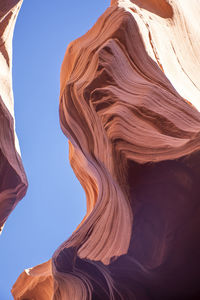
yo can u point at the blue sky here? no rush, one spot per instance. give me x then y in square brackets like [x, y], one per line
[55, 201]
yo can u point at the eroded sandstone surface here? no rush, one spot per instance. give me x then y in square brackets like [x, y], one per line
[129, 105]
[13, 182]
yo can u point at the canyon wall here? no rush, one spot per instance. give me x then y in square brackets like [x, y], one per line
[13, 183]
[129, 105]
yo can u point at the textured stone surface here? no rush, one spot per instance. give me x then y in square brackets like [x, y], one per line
[13, 183]
[134, 146]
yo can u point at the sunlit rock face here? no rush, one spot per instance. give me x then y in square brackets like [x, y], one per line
[13, 181]
[129, 88]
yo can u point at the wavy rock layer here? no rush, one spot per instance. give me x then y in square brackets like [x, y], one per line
[13, 183]
[134, 146]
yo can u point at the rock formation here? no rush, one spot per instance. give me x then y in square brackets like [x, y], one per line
[13, 183]
[129, 88]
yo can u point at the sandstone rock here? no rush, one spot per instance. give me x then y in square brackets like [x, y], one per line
[134, 146]
[13, 179]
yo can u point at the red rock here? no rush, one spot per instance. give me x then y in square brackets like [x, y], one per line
[134, 146]
[13, 179]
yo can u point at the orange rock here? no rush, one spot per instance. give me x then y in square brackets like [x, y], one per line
[35, 283]
[134, 146]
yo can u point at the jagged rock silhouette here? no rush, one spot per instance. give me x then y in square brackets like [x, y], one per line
[13, 183]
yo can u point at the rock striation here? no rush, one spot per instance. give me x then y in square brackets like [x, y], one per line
[128, 105]
[13, 183]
